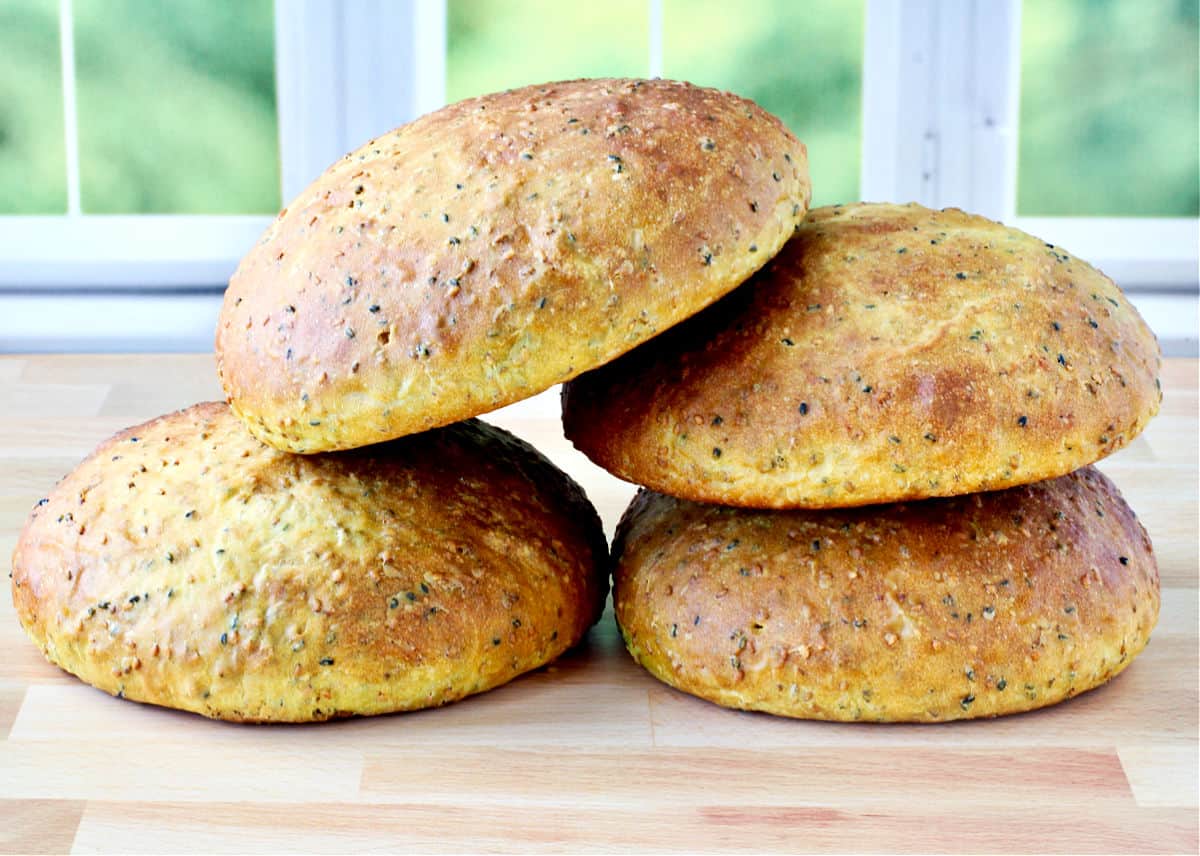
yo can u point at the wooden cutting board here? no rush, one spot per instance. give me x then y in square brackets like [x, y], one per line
[591, 753]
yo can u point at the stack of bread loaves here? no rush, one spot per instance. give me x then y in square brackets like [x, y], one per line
[472, 258]
[337, 540]
[889, 354]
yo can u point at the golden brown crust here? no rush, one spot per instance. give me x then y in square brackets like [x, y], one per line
[888, 353]
[956, 608]
[186, 564]
[497, 247]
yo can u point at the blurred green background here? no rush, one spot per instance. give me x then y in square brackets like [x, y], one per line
[176, 100]
[501, 44]
[1109, 122]
[33, 166]
[802, 61]
[176, 107]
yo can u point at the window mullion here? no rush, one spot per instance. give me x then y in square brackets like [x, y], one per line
[994, 105]
[66, 25]
[897, 148]
[428, 56]
[347, 72]
[940, 103]
[654, 60]
[125, 251]
[308, 90]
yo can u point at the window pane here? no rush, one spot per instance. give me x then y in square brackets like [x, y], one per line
[500, 44]
[801, 61]
[1109, 122]
[177, 106]
[33, 165]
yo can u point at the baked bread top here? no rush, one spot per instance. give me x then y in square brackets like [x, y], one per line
[496, 247]
[946, 609]
[186, 564]
[889, 352]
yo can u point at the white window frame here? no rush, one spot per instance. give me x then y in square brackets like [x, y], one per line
[954, 68]
[941, 85]
[331, 96]
[344, 72]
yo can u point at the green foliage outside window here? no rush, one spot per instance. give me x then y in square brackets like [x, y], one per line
[1109, 123]
[176, 107]
[802, 61]
[33, 162]
[176, 100]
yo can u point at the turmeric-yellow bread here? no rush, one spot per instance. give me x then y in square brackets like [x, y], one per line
[186, 564]
[889, 352]
[946, 609]
[496, 247]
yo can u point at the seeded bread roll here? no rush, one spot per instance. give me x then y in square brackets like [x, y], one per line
[186, 564]
[496, 247]
[888, 353]
[956, 608]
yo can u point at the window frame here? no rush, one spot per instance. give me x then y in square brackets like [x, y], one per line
[940, 100]
[954, 67]
[331, 61]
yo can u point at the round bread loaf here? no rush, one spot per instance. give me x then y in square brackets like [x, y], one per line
[974, 606]
[888, 353]
[186, 564]
[496, 247]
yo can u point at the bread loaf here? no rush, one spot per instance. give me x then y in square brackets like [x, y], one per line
[496, 247]
[186, 564]
[888, 353]
[974, 606]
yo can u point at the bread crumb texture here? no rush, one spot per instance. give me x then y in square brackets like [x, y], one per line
[186, 564]
[496, 247]
[975, 606]
[890, 352]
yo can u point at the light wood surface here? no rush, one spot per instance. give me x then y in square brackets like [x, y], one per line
[591, 753]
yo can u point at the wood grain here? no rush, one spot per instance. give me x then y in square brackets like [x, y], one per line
[590, 754]
[38, 826]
